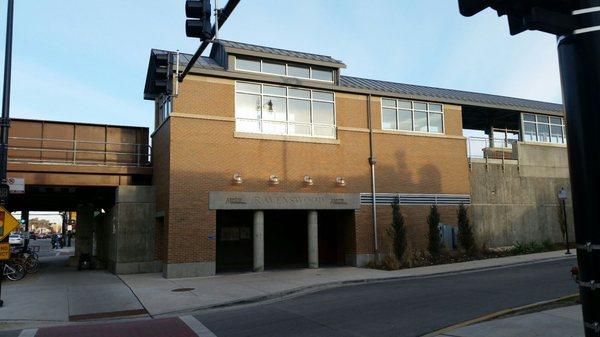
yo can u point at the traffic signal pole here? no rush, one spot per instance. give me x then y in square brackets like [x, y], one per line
[223, 16]
[579, 59]
[576, 23]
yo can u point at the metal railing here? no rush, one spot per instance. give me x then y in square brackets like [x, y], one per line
[485, 148]
[77, 152]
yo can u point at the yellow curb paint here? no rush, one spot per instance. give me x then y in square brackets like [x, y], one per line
[498, 314]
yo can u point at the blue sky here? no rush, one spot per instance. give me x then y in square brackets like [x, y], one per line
[86, 61]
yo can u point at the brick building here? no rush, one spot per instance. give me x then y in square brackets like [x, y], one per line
[262, 159]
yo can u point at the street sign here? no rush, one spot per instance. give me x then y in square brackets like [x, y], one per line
[562, 194]
[4, 251]
[16, 185]
[8, 223]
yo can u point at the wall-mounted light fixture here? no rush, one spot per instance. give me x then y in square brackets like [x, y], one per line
[273, 179]
[308, 181]
[237, 178]
[340, 181]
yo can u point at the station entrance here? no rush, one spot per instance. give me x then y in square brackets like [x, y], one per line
[286, 238]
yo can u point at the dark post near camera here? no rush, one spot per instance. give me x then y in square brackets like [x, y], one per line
[576, 23]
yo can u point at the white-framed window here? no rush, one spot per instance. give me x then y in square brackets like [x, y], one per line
[404, 115]
[281, 110]
[543, 129]
[165, 108]
[280, 68]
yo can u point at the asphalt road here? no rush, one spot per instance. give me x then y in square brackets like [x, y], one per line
[410, 307]
[45, 247]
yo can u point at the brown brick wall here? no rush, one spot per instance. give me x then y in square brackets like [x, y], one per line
[161, 180]
[204, 155]
[205, 96]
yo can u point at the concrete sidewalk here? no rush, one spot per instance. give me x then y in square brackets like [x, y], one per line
[162, 296]
[58, 293]
[561, 322]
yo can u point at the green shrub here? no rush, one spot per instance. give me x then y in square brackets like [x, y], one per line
[390, 263]
[532, 247]
[466, 239]
[433, 221]
[397, 232]
[548, 245]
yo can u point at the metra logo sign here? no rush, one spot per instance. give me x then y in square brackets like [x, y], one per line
[235, 201]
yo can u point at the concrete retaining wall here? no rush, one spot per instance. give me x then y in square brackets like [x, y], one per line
[131, 242]
[517, 201]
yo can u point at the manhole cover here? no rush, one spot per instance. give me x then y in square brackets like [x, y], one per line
[178, 290]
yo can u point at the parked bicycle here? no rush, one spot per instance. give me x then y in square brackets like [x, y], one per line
[28, 258]
[14, 270]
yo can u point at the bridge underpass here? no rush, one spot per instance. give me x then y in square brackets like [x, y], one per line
[101, 172]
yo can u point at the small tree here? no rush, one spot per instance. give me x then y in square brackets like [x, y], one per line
[397, 232]
[465, 233]
[433, 220]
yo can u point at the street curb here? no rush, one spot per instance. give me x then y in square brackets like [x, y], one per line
[497, 314]
[304, 290]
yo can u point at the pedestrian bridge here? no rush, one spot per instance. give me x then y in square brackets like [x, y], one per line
[65, 163]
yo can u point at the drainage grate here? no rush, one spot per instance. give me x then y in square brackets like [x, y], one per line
[179, 290]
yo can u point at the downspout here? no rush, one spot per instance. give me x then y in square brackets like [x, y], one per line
[372, 161]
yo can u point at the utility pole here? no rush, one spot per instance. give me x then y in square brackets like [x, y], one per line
[576, 23]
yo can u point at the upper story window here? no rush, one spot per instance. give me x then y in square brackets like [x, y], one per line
[405, 115]
[280, 110]
[545, 129]
[284, 69]
[164, 109]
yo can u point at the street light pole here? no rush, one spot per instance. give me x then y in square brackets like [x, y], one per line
[5, 120]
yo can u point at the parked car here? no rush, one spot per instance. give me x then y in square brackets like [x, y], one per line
[15, 239]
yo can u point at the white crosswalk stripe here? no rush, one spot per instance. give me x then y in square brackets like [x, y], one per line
[28, 333]
[197, 327]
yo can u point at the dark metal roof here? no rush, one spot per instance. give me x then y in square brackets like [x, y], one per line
[382, 87]
[202, 62]
[467, 98]
[280, 52]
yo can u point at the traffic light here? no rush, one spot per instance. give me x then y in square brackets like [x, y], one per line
[550, 16]
[163, 80]
[163, 73]
[198, 24]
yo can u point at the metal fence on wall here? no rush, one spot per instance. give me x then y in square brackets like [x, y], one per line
[78, 152]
